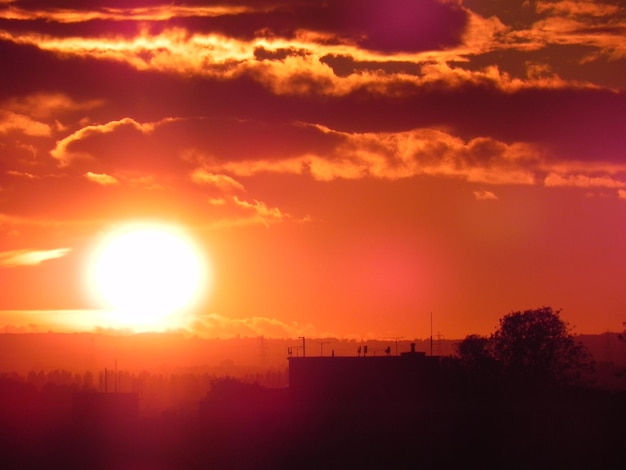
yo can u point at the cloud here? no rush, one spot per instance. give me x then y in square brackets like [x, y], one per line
[583, 181]
[65, 155]
[30, 257]
[396, 155]
[425, 152]
[482, 34]
[484, 195]
[577, 8]
[101, 178]
[261, 210]
[21, 174]
[314, 58]
[236, 212]
[596, 25]
[149, 13]
[390, 26]
[298, 63]
[147, 182]
[49, 105]
[223, 182]
[219, 326]
[621, 193]
[10, 121]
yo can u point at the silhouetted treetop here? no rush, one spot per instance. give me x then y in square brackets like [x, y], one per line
[533, 347]
[474, 350]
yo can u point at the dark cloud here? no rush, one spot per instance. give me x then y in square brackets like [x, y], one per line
[392, 25]
[344, 66]
[516, 14]
[180, 145]
[395, 25]
[574, 123]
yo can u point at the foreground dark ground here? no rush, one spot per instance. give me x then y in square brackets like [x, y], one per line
[247, 426]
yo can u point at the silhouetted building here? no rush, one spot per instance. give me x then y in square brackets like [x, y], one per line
[411, 375]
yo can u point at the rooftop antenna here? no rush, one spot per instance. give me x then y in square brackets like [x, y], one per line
[290, 350]
[322, 343]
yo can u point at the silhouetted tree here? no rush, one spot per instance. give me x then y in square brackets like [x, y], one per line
[481, 370]
[474, 351]
[533, 347]
[537, 346]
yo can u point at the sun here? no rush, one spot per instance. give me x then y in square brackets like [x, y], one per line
[149, 275]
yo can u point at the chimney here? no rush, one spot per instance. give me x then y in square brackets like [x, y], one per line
[412, 348]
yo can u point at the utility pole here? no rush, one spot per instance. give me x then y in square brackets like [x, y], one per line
[303, 345]
[396, 338]
[431, 333]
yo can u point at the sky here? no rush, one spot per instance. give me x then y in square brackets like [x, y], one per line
[349, 168]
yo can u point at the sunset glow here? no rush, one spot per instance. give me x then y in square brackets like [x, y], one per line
[283, 234]
[350, 166]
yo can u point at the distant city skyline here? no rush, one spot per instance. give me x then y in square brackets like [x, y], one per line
[340, 169]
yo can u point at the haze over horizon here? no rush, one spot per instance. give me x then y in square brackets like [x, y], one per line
[342, 169]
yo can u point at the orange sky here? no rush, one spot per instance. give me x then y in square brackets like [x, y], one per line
[348, 167]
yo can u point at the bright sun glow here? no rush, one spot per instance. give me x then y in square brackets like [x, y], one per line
[150, 275]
